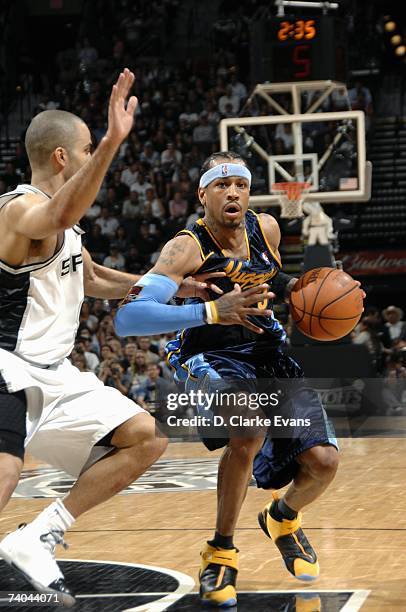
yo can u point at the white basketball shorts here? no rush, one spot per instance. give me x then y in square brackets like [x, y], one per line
[68, 411]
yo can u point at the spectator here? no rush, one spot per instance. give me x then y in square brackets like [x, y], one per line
[113, 375]
[144, 345]
[153, 205]
[360, 98]
[171, 157]
[146, 242]
[178, 207]
[108, 224]
[373, 316]
[238, 89]
[129, 175]
[213, 117]
[106, 330]
[129, 353]
[150, 156]
[181, 182]
[394, 323]
[134, 262]
[106, 355]
[188, 116]
[229, 112]
[86, 317]
[153, 393]
[79, 361]
[115, 259]
[99, 309]
[97, 243]
[367, 334]
[94, 211]
[132, 207]
[87, 54]
[82, 346]
[284, 134]
[137, 372]
[229, 98]
[203, 133]
[121, 239]
[121, 189]
[112, 201]
[140, 186]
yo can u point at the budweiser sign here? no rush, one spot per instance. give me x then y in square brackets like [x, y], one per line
[362, 263]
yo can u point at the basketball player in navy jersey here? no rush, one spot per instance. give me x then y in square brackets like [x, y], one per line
[69, 418]
[234, 240]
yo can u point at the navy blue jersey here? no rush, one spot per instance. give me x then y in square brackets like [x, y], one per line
[260, 267]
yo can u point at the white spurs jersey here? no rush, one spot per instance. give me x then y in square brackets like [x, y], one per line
[40, 302]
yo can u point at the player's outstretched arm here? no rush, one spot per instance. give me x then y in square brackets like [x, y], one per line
[146, 309]
[37, 217]
[106, 283]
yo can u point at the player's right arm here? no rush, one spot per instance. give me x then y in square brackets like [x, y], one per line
[37, 217]
[146, 311]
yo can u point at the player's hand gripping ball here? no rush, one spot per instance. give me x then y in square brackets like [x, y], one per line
[326, 303]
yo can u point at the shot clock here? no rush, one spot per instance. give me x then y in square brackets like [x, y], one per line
[298, 48]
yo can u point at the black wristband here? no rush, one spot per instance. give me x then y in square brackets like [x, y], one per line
[279, 284]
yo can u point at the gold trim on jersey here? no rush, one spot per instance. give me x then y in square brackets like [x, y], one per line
[195, 238]
[278, 259]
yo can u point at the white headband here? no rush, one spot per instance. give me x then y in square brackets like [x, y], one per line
[222, 171]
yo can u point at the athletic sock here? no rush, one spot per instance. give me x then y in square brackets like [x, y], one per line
[220, 541]
[282, 511]
[55, 516]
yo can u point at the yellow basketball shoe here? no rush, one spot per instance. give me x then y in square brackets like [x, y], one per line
[218, 575]
[309, 602]
[299, 557]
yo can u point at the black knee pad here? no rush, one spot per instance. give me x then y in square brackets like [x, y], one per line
[12, 443]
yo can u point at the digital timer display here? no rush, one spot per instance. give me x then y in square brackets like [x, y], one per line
[303, 49]
[298, 48]
[299, 29]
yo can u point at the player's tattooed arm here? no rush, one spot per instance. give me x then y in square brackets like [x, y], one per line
[179, 258]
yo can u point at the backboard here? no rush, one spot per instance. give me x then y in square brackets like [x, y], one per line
[323, 148]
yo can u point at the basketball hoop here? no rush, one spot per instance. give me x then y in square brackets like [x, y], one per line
[291, 199]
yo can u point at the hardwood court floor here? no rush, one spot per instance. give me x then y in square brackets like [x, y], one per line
[358, 527]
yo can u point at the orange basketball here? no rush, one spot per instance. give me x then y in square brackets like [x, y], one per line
[326, 304]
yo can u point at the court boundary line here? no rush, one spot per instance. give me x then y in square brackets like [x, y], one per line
[355, 602]
[185, 584]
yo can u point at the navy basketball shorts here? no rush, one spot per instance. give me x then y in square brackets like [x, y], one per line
[275, 464]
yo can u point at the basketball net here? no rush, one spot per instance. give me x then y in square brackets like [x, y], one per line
[291, 199]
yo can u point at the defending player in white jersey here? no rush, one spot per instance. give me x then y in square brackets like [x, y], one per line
[70, 419]
[43, 276]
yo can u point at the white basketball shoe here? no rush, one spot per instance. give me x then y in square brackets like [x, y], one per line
[31, 551]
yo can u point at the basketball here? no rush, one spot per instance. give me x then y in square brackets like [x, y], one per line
[326, 303]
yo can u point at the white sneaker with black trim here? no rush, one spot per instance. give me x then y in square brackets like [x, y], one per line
[32, 553]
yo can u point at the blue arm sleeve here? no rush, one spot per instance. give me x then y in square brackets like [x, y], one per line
[148, 313]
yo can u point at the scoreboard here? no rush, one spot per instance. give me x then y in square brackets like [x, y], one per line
[293, 48]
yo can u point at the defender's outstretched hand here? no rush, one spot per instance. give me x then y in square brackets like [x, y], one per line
[121, 112]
